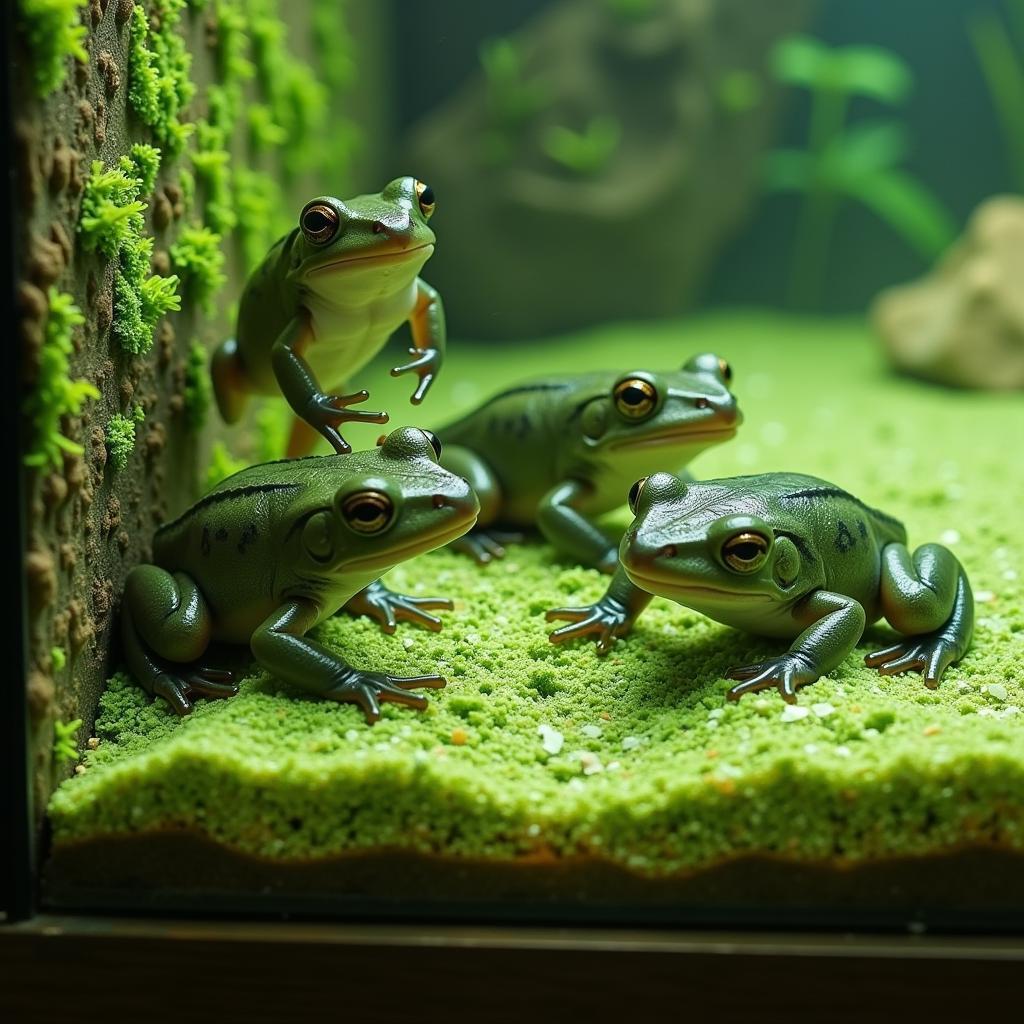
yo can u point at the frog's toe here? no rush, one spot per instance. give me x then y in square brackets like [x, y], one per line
[786, 674]
[174, 690]
[931, 657]
[211, 682]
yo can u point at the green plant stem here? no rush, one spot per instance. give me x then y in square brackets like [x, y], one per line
[817, 215]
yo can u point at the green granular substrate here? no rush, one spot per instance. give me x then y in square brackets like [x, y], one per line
[656, 771]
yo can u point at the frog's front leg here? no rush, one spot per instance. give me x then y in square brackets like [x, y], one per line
[388, 608]
[279, 644]
[836, 624]
[926, 596]
[166, 627]
[564, 526]
[483, 545]
[608, 618]
[323, 412]
[428, 339]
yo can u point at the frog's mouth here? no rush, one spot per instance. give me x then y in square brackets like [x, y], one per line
[689, 593]
[676, 436]
[374, 259]
[417, 546]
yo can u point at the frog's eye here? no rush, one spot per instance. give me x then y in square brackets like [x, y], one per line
[708, 362]
[745, 552]
[635, 398]
[724, 370]
[435, 443]
[368, 511]
[319, 223]
[425, 194]
[634, 494]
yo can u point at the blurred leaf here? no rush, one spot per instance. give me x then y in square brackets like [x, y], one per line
[738, 91]
[788, 170]
[866, 147]
[908, 207]
[872, 71]
[800, 60]
[584, 152]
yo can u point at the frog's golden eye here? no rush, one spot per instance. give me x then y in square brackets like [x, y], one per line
[745, 552]
[319, 223]
[725, 370]
[425, 194]
[635, 398]
[368, 511]
[634, 494]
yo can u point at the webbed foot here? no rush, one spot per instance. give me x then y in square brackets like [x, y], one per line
[930, 654]
[787, 673]
[181, 684]
[370, 689]
[388, 607]
[605, 620]
[327, 412]
[425, 366]
[485, 546]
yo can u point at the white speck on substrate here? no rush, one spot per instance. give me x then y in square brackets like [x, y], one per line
[810, 748]
[961, 685]
[591, 763]
[984, 596]
[843, 750]
[950, 536]
[1009, 574]
[613, 765]
[472, 638]
[533, 830]
[984, 712]
[716, 712]
[823, 709]
[713, 723]
[408, 642]
[551, 739]
[631, 742]
[997, 690]
[501, 620]
[793, 713]
[593, 731]
[351, 735]
[871, 733]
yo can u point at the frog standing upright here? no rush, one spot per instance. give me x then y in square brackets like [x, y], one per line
[324, 302]
[784, 555]
[558, 453]
[277, 548]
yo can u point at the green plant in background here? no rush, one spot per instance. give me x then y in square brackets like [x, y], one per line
[1001, 57]
[58, 658]
[631, 10]
[120, 436]
[222, 465]
[198, 391]
[197, 254]
[54, 31]
[65, 741]
[739, 91]
[55, 395]
[586, 152]
[849, 162]
[512, 99]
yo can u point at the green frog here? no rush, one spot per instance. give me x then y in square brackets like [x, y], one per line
[323, 303]
[560, 452]
[790, 556]
[279, 547]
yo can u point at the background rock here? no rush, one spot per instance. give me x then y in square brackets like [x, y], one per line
[963, 324]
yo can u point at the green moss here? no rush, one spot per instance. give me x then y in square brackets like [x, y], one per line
[198, 257]
[222, 465]
[198, 390]
[65, 742]
[212, 165]
[142, 162]
[262, 213]
[55, 395]
[58, 658]
[120, 436]
[159, 65]
[656, 770]
[111, 213]
[54, 31]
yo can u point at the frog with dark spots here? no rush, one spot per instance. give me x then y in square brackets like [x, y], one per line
[557, 454]
[324, 302]
[784, 555]
[279, 547]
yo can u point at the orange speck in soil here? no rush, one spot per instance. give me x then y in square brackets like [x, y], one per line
[712, 754]
[459, 737]
[931, 730]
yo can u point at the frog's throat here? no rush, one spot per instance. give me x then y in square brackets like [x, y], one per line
[694, 593]
[357, 262]
[678, 436]
[394, 556]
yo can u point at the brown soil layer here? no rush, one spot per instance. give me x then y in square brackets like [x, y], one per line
[183, 870]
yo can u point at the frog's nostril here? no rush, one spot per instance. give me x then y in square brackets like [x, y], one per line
[440, 501]
[668, 551]
[702, 403]
[379, 227]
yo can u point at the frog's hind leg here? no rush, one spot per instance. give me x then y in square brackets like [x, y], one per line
[928, 597]
[166, 626]
[231, 384]
[482, 544]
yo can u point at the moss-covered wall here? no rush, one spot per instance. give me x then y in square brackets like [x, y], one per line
[160, 147]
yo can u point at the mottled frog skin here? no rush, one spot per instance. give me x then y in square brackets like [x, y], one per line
[324, 302]
[790, 556]
[277, 548]
[558, 453]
